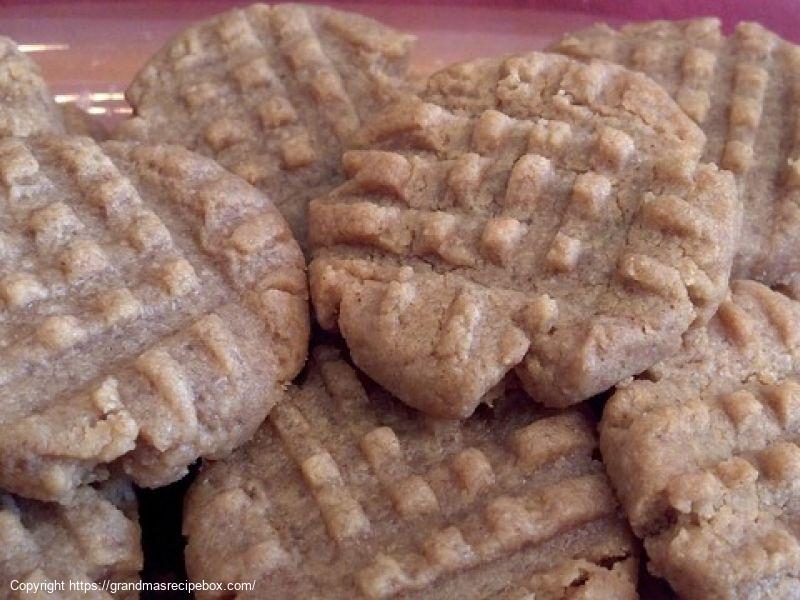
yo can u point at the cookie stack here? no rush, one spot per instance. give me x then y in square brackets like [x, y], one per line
[475, 338]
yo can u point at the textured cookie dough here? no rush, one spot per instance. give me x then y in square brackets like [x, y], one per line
[26, 105]
[744, 91]
[94, 538]
[272, 92]
[532, 212]
[151, 307]
[347, 493]
[702, 451]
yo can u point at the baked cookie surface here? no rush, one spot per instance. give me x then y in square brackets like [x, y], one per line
[151, 307]
[345, 492]
[94, 538]
[532, 212]
[272, 92]
[703, 453]
[26, 105]
[743, 90]
[78, 122]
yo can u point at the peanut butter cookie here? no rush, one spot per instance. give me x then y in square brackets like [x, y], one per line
[702, 451]
[532, 212]
[744, 91]
[151, 307]
[26, 105]
[347, 493]
[93, 539]
[272, 92]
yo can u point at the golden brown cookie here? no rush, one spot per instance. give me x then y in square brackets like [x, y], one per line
[26, 105]
[151, 307]
[532, 212]
[51, 548]
[272, 92]
[347, 493]
[744, 91]
[702, 451]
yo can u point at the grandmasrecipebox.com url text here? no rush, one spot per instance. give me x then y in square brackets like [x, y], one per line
[112, 587]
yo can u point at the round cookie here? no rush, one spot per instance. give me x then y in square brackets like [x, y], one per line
[744, 91]
[703, 452]
[346, 493]
[532, 212]
[26, 105]
[272, 92]
[94, 538]
[152, 305]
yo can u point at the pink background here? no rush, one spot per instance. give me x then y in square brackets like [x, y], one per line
[90, 50]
